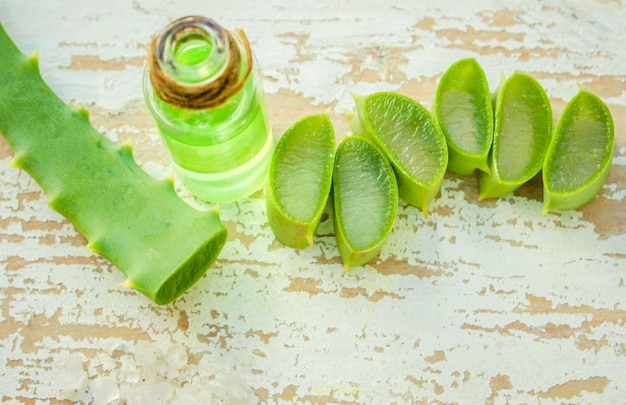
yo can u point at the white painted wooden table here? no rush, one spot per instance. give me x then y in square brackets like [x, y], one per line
[481, 302]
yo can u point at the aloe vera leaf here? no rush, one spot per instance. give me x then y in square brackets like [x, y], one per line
[138, 223]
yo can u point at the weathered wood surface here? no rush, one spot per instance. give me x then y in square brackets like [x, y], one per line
[481, 302]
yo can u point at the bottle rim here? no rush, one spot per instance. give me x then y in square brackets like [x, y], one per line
[204, 83]
[172, 39]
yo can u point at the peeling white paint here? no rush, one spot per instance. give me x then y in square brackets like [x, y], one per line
[481, 302]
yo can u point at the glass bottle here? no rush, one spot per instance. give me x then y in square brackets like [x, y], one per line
[204, 90]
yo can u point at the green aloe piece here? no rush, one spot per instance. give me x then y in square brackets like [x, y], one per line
[522, 133]
[300, 178]
[579, 158]
[464, 114]
[365, 200]
[138, 223]
[408, 135]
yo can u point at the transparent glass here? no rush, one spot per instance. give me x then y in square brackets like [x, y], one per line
[221, 154]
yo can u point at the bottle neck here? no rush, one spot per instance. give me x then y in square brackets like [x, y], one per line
[196, 64]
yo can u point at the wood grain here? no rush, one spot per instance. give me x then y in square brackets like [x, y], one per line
[481, 302]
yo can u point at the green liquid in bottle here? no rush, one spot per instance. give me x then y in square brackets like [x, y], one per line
[193, 51]
[221, 154]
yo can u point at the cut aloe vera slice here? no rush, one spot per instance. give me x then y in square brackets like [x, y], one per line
[300, 179]
[579, 159]
[464, 114]
[365, 200]
[523, 129]
[407, 134]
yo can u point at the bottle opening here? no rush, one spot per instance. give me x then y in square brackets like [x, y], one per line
[195, 64]
[192, 49]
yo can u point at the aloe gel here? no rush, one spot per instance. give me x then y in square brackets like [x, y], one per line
[204, 90]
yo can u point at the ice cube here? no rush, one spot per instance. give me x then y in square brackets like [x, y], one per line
[68, 374]
[176, 356]
[232, 390]
[190, 394]
[150, 394]
[146, 353]
[104, 390]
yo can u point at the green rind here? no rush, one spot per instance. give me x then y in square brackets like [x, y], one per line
[138, 223]
[560, 201]
[583, 103]
[295, 234]
[535, 99]
[411, 187]
[467, 78]
[351, 255]
[290, 230]
[466, 165]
